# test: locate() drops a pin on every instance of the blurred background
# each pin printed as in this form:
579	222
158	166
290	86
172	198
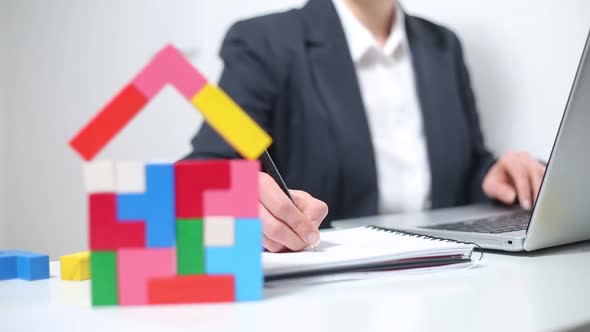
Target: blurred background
61	61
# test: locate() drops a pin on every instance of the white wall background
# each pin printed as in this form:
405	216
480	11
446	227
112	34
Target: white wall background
65	59
3	128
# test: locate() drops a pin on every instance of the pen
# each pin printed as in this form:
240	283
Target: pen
272	170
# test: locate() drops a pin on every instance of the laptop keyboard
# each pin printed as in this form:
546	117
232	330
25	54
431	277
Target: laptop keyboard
516	221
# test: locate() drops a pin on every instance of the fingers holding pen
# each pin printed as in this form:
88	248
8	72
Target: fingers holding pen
283	222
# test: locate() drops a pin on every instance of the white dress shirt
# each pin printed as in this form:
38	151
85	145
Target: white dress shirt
386	79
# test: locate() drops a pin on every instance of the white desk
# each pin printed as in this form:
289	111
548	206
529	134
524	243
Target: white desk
534	292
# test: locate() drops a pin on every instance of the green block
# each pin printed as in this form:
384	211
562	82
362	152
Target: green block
190	251
103	276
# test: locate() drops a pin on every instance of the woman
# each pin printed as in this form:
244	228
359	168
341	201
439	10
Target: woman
371	111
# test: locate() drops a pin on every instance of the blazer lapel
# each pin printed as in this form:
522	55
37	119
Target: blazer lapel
335	80
427	73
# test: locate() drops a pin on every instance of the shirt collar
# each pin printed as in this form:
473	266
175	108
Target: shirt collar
360	40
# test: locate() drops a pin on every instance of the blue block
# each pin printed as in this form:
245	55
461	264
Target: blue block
243	260
29	266
8	269
155	206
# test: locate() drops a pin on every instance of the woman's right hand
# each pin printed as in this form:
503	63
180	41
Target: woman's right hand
288	226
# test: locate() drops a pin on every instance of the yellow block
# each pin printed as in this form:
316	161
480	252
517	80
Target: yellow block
75	267
231	122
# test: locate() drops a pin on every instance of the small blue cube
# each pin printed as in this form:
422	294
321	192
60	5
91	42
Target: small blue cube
23	265
8	268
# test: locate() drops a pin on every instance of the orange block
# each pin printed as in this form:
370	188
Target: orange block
191	289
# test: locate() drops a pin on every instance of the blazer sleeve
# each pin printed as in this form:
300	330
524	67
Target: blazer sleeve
249	78
481	158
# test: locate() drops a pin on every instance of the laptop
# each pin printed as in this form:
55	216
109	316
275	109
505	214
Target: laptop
561	213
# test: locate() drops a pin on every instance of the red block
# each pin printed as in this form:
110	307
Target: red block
192	179
108	122
191	289
108	233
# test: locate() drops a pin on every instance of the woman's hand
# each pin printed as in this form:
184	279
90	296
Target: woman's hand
515	175
289	226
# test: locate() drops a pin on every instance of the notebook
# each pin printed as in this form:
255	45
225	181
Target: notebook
366	249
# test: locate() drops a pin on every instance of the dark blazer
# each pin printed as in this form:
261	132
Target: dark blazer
293	73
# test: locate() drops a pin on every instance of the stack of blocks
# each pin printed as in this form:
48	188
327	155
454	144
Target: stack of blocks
183	232
174	233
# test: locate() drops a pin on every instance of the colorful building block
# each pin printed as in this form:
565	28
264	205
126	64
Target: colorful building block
103	275
192	179
243	260
8	266
99	176
29	265
219	231
106	232
32	266
243	192
169	233
192	289
169	67
191	251
135	267
155	206
231	122
229	246
130	177
106	124
75	267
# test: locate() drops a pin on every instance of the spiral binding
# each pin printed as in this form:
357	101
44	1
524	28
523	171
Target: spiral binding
426	237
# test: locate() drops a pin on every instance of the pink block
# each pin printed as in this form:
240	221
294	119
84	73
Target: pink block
169	66
135	267
241	200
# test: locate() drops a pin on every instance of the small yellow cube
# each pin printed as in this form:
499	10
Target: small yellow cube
75	267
